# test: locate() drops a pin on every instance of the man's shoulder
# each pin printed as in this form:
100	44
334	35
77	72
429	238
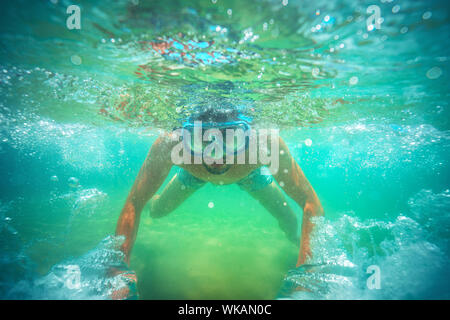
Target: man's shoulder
166	141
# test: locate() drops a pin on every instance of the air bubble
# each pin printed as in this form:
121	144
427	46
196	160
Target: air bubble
308	142
427	15
73	182
353	81
315	72
76	60
434	73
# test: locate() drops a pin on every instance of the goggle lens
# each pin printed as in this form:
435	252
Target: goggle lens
233	139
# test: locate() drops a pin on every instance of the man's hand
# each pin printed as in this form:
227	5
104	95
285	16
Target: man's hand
129	290
305	252
310	210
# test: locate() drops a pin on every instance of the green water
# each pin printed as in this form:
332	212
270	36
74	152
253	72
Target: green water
364	113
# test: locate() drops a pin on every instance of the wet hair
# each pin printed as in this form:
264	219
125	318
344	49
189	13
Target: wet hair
213	114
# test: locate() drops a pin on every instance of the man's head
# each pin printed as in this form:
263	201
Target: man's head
215	123
212	114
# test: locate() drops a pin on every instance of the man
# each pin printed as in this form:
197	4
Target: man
214	167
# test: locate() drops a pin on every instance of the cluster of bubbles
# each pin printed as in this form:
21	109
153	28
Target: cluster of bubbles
409	253
100	274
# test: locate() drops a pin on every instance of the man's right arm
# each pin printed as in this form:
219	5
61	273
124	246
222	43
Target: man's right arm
152	174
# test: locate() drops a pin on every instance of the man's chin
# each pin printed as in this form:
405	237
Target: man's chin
217	168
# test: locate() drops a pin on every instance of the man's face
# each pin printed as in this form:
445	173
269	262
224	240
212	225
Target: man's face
216	143
218	167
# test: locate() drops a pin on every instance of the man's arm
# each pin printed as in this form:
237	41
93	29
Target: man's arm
293	181
153	172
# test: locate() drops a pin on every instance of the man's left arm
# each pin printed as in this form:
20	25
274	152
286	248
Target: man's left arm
294	182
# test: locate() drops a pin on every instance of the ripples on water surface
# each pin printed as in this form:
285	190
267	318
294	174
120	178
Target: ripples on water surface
364	111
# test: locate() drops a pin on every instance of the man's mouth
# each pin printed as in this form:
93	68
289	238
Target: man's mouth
216	168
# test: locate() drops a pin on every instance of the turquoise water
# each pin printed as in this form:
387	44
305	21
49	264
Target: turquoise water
364	112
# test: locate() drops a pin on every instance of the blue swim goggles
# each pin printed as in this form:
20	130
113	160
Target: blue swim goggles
195	133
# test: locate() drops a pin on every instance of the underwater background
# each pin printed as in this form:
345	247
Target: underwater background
361	101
